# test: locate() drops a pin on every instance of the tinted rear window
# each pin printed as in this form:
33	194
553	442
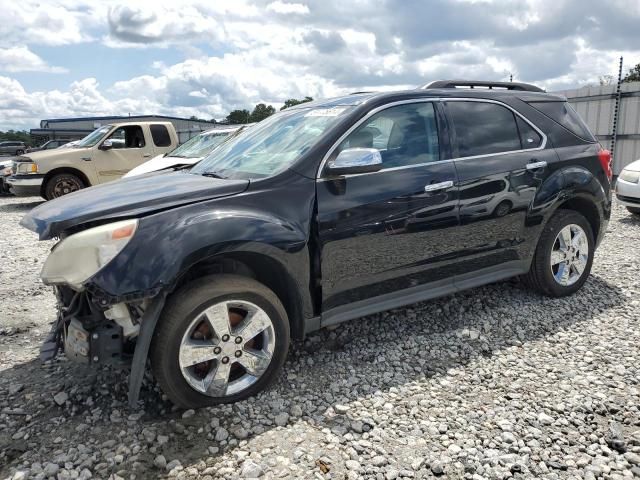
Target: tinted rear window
483	128
160	136
565	115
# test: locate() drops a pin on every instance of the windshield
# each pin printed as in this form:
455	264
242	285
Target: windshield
94	137
272	145
200	145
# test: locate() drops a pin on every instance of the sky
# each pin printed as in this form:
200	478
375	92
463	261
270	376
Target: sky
64	58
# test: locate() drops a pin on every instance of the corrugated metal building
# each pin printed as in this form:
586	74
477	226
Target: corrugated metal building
596	105
76	128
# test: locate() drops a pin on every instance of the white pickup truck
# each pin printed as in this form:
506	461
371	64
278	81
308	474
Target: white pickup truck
105	154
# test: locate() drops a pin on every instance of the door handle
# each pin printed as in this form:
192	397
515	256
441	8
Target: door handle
86	159
146	155
434	187
536	165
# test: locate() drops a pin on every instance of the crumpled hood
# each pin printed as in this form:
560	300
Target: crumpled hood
161	162
126	198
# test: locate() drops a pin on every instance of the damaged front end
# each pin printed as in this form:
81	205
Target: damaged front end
90	334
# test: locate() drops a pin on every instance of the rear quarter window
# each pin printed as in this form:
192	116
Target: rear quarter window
565	115
160	136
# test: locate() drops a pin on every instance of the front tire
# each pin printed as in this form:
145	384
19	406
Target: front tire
564	255
220	339
19	152
62	184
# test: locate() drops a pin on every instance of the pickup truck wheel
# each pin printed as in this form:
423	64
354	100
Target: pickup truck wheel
19	152
220	339
62	184
564	255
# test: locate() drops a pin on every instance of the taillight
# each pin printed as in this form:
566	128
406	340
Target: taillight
605	160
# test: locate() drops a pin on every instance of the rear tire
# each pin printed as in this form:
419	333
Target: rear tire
62	184
191	318
634	210
543	275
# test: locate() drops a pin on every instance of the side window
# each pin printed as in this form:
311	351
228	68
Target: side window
128	137
565	115
529	138
483	128
160	136
404	135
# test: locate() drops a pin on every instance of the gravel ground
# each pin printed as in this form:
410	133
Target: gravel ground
496	383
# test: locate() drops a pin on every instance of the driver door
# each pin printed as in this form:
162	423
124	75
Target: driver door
389	234
128	150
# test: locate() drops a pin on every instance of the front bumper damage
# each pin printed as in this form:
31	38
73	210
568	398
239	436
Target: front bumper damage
90	334
118	334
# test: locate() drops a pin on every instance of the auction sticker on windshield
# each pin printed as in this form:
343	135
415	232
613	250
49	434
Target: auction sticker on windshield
325	112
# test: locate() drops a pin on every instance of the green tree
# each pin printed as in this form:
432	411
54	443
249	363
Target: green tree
633	75
294	101
238	117
16	136
261	111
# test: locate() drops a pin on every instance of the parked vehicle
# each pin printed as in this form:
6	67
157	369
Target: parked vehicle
5	172
50	145
104	155
12	148
189	153
300	223
628	187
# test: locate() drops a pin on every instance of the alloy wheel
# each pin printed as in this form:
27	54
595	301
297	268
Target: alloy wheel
226	348
570	255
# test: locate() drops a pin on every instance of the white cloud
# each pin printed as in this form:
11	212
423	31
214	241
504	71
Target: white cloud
288	8
235	53
54	24
21	59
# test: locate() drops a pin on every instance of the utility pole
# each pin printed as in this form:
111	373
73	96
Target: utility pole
616	115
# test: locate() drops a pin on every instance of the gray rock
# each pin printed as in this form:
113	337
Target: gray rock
60	398
221	434
340	409
160	462
188	413
545	419
251	470
281	419
172	464
632	458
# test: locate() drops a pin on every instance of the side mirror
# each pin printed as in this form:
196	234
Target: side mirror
106	145
355	160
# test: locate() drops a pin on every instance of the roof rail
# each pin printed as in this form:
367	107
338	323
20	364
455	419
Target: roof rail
522	87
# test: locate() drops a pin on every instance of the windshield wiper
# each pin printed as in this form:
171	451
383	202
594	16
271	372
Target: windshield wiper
213	175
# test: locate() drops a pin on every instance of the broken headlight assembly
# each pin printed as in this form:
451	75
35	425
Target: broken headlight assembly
81	255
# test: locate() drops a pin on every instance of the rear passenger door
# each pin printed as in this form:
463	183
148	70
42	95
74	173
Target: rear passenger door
501	161
385	232
161	138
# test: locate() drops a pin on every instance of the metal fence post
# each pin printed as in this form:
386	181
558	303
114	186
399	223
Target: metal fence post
616	114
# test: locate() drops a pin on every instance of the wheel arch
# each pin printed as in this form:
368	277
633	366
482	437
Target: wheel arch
58	170
262	268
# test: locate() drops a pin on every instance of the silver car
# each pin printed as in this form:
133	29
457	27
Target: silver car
628	187
12	148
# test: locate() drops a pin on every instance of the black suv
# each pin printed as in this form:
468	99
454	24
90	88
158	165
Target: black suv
322	213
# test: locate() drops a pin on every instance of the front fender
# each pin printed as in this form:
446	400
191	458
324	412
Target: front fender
170	242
